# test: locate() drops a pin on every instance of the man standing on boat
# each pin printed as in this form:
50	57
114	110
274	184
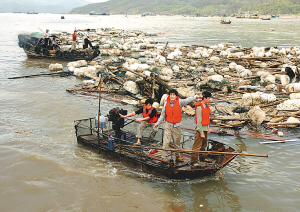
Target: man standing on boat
74	40
202	116
46	38
86	38
149	119
173	113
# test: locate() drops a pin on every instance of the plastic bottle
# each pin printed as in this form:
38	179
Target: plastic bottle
101	122
111	143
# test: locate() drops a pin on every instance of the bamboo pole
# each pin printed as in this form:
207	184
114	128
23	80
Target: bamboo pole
165	48
215	152
99	101
35	75
194	151
284	124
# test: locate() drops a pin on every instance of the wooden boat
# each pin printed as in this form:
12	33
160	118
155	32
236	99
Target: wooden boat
94	13
114	141
253	17
225	22
31	46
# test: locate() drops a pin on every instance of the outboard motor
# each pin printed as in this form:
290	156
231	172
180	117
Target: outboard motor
117	121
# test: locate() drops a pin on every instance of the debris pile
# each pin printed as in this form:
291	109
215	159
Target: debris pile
250	86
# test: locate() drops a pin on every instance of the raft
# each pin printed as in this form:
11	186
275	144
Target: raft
115	142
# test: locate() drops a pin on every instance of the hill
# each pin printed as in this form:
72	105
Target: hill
192	7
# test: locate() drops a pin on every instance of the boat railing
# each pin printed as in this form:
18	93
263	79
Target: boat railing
88	127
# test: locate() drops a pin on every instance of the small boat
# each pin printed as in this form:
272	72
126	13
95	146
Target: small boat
266	19
225	22
94	13
113	140
253	17
31	46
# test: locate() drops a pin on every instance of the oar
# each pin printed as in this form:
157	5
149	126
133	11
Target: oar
194	151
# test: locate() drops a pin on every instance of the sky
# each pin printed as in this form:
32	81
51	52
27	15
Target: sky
96	1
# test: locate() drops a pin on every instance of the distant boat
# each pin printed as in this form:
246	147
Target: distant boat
253	17
94	13
266	19
225	22
249	15
32	13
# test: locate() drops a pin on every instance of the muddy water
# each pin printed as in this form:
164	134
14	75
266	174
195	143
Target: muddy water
43	169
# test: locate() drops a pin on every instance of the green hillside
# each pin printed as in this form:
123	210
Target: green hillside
192	7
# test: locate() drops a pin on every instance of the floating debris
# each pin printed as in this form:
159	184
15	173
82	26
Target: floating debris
134	65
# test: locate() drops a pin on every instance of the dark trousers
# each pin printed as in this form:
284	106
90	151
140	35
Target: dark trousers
87	43
46	41
199	145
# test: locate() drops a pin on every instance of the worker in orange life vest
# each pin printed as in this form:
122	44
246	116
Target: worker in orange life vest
149	119
202	116
172	112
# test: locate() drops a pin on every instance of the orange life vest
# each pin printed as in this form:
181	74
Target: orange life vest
147	113
205	113
173	114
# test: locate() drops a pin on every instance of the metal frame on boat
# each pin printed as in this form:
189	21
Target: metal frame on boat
114	141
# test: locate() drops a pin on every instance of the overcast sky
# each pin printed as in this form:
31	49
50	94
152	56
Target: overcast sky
96	1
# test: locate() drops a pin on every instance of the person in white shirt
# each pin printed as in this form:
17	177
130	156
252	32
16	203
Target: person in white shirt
46	38
86	38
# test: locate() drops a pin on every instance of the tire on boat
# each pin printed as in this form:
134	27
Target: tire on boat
74	53
46	52
81	54
21	44
37	49
66	54
27	46
96	53
58	54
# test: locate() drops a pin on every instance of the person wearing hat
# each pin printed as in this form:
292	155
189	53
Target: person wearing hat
86	38
149	119
172	112
74	40
46	38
